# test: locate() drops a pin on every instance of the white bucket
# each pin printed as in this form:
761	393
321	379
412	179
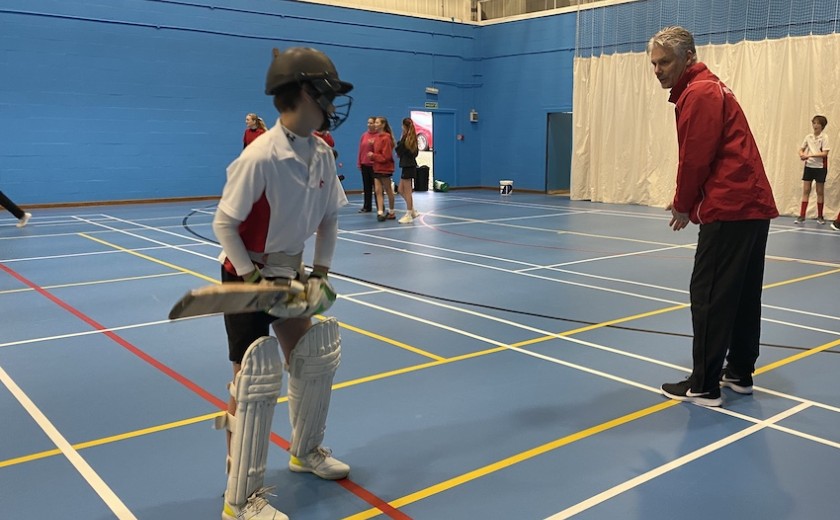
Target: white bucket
505	187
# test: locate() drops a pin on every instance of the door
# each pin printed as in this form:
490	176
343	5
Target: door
558	168
444	147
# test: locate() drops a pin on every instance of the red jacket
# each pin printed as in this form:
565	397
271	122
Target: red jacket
383	153
720	175
250	135
365	146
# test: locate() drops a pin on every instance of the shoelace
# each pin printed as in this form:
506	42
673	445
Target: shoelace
324	452
257	500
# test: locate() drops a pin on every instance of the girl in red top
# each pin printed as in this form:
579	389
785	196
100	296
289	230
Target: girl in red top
383	167
255	127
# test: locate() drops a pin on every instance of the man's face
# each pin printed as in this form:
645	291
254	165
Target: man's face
818	128
667	66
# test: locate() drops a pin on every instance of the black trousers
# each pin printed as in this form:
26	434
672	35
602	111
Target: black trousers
7	203
367	185
726	299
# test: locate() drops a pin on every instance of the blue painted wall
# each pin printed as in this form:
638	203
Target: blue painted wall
144	99
526	69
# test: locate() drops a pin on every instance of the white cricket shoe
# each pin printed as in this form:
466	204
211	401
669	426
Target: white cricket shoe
406	219
320	462
415	213
256	508
24	219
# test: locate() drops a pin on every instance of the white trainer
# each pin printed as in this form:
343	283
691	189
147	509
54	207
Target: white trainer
256	508
24	219
320	462
415	213
406	219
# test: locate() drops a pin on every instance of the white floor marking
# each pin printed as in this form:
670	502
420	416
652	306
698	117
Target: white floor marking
91	477
674	464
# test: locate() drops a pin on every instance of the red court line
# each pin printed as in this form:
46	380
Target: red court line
347	484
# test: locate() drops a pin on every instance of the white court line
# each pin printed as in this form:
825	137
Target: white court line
91	477
91	332
553	267
460	261
674	464
797	311
775	228
165	245
95	282
162	230
584	368
804	327
94	253
442	258
577	273
559	336
770	423
530	275
170	246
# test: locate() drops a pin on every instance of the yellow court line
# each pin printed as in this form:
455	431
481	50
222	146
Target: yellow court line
192	420
669	309
152	259
801	279
432	490
797	357
514	459
539	450
393	342
114	438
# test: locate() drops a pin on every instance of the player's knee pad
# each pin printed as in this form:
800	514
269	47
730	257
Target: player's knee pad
255	388
312	367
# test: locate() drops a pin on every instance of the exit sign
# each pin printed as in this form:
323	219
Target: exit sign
430	104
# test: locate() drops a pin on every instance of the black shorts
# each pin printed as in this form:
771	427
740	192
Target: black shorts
814	174
244	329
409	173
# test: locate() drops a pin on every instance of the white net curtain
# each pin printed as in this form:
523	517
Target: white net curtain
625	148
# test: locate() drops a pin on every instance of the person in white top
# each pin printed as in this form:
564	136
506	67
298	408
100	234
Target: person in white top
281	190
814	152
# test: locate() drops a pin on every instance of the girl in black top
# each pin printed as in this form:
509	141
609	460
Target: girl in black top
407	152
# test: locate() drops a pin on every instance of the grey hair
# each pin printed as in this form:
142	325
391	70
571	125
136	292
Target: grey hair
675	38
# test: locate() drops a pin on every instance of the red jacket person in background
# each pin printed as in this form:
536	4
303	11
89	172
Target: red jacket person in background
722	186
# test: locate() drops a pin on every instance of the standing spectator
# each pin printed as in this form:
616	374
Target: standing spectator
814	151
254	127
407	151
383	168
721	185
365	163
22	216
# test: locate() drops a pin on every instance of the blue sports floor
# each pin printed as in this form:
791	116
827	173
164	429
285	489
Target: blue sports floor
501	360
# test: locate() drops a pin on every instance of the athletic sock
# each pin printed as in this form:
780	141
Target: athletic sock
802	209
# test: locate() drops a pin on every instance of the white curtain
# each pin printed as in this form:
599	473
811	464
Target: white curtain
625	144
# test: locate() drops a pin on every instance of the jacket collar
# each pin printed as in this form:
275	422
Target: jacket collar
688	75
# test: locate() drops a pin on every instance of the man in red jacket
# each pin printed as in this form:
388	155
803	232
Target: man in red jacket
721	185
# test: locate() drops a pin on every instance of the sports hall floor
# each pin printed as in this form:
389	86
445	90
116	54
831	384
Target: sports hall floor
501	360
